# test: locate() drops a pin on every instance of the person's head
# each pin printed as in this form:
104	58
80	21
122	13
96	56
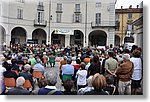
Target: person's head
126	51
95	58
45	59
38	60
111	54
136	53
20	81
51	77
82	65
89	81
27	67
68	84
69	61
65	57
109	79
42	83
7	66
19	57
126	57
98	81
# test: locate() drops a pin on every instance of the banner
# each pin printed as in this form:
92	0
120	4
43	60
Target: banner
64	31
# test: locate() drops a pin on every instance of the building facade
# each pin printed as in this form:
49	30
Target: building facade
62	22
124	19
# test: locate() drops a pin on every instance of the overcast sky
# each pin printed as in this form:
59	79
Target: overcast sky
127	3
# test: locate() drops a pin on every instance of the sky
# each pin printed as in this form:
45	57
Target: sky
127	3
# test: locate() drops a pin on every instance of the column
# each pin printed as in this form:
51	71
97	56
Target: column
111	37
67	40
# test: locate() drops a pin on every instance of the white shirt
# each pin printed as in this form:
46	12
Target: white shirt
1	78
137	71
81	77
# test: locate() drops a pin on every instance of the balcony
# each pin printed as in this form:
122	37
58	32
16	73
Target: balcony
77	11
95	24
41	23
40	8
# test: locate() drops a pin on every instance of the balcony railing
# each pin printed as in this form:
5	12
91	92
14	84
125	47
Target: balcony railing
42	23
103	24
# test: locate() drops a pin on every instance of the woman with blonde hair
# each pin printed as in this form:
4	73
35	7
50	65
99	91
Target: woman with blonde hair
99	83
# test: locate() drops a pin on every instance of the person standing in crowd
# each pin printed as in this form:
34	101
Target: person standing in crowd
89	87
111	64
50	88
99	83
38	66
32	60
67	69
18	90
2	70
63	62
52	60
45	60
95	66
137	71
81	76
124	73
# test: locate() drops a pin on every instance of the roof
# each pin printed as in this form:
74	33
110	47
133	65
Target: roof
129	10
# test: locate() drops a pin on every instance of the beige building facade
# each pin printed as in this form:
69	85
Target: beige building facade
62	22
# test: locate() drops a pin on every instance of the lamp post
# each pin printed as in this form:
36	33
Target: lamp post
49	18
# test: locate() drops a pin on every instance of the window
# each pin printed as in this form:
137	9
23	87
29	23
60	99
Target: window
40	17
59	7
77	7
21	1
98	4
98	18
129	15
58	18
117	17
20	13
77	18
130	27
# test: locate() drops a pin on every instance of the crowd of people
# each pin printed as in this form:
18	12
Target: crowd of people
82	71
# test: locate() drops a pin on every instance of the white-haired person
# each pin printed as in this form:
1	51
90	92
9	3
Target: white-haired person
27	75
89	87
124	73
50	88
18	90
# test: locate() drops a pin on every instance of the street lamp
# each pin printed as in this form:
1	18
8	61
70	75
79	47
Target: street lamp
50	18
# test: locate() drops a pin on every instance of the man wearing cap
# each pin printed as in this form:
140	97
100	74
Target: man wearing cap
124	72
26	74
